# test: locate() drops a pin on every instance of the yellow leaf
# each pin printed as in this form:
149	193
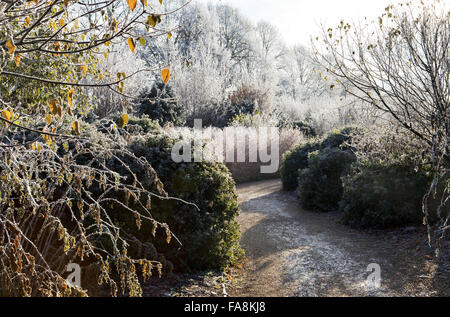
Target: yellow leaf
47	138
18	58
27	21
53	106
61	22
153	19
142	41
123	120
70	97
160	2
76	127
6	115
11	47
169	35
83	69
48	118
132	4
59	111
53	24
165	74
66	3
131	44
144	3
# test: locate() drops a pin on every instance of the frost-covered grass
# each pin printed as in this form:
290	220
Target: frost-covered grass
247	150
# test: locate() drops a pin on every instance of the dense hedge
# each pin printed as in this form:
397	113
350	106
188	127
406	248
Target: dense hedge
379	196
209	236
377	181
386	186
320	185
297	158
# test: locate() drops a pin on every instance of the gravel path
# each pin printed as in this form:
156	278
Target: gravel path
293	252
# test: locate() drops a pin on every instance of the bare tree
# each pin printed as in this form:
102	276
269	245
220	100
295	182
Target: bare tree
272	45
400	65
235	35
299	67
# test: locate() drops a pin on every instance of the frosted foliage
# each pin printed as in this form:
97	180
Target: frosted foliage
213	52
204	81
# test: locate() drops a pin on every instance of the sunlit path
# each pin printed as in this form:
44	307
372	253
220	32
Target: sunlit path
293	252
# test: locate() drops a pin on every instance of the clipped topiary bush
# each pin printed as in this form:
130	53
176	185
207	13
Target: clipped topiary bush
320	185
208	235
381	195
297	158
386	186
294	160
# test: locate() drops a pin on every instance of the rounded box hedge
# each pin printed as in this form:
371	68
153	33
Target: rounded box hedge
208	231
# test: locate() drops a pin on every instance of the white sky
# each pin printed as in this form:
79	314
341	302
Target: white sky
297	20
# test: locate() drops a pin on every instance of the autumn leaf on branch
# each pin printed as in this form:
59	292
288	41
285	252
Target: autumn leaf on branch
70	97
11	47
131	45
132	4
76	127
165	74
123	121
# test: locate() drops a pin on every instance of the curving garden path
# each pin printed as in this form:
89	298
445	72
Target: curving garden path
294	252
